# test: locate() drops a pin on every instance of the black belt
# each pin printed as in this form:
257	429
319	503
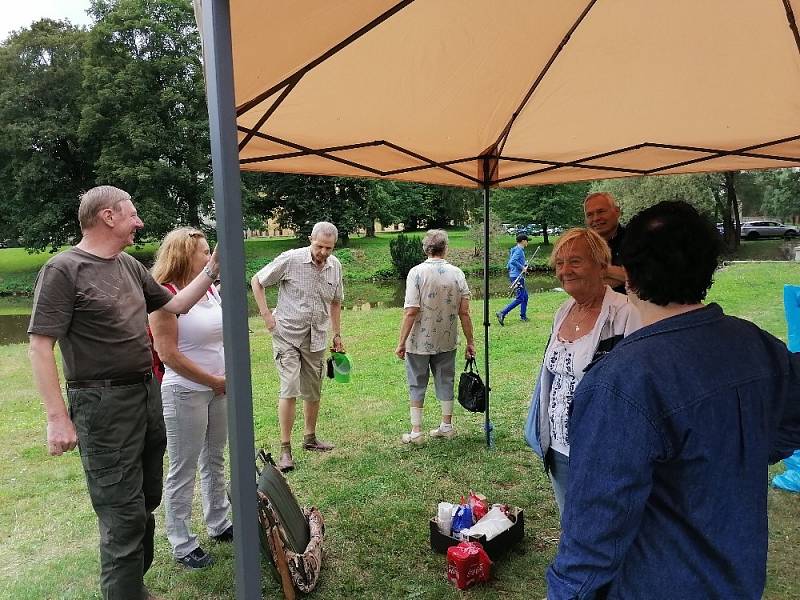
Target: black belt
78	384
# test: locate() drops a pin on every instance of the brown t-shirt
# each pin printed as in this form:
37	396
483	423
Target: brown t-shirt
97	310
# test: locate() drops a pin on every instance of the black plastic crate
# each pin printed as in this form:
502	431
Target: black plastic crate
495	548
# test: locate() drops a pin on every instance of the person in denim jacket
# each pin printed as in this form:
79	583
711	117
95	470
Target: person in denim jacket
673	434
586	325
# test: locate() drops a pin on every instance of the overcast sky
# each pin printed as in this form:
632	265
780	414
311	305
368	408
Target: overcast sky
16	14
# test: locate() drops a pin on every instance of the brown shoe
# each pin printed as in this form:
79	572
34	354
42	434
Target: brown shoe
316	445
285	464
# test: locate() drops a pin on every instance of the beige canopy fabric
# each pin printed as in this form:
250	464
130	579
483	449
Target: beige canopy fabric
555	91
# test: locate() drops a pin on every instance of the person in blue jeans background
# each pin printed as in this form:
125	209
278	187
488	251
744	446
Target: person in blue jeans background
517	267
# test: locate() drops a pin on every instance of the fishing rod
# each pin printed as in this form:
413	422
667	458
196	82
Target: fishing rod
515	283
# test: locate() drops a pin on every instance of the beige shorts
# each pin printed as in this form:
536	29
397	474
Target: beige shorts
300	370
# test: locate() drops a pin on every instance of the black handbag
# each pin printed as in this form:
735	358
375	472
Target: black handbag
471	391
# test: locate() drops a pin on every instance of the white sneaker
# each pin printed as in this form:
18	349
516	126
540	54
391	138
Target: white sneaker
413	438
439	432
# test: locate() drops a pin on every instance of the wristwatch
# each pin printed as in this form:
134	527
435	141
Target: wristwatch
210	273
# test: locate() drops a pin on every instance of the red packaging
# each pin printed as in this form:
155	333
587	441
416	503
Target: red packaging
479	506
468	564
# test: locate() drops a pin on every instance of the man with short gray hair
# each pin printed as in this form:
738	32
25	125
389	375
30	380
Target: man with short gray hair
437	296
93	299
602	213
310	296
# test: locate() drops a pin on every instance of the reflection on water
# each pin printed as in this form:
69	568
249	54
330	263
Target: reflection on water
13	329
361	296
367	296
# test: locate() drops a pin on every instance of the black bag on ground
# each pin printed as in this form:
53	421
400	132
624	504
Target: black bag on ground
471	391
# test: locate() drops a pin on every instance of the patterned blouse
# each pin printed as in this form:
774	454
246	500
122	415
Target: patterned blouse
560	361
435	287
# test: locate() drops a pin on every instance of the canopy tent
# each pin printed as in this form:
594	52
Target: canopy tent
483	94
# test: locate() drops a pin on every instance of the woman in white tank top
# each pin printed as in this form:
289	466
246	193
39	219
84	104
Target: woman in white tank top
194	401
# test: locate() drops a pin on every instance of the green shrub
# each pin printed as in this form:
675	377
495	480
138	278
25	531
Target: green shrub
406	253
345	255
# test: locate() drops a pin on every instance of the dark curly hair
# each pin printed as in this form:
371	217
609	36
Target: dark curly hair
670	253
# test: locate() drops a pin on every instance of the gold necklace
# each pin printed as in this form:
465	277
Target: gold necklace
585	312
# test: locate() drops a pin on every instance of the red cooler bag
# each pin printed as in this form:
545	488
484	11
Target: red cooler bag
468	564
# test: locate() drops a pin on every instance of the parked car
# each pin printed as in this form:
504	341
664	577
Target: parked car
762	229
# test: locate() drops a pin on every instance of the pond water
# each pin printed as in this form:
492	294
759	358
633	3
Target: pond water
359	296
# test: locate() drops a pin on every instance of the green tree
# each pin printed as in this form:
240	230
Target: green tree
406	253
299	201
145	112
780	193
43	165
634	194
476	231
548	205
712	194
451	206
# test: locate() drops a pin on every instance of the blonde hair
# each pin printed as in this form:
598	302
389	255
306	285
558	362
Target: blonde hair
598	248
607	195
174	257
97	199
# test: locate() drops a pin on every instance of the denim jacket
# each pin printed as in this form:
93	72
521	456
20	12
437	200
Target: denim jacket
673	432
617	318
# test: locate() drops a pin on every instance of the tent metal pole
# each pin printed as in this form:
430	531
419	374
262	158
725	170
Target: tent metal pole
218	62
487	426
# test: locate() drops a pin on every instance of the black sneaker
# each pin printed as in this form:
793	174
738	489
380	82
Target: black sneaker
196	559
225	536
500	317
524	319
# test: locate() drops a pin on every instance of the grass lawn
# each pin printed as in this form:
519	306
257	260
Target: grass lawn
375	494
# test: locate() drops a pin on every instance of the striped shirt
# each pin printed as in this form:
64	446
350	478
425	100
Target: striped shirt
305	294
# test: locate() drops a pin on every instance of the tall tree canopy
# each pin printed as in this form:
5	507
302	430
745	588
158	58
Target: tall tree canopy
145	113
547	205
713	194
780	193
43	164
299	201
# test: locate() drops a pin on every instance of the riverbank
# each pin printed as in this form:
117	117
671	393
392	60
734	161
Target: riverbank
376	495
364	260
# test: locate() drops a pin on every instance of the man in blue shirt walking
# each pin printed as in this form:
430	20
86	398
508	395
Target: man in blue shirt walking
517	267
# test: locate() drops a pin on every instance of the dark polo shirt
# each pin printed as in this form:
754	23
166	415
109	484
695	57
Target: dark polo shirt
615	244
97	310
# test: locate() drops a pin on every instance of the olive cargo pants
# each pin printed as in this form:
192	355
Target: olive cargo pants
122	439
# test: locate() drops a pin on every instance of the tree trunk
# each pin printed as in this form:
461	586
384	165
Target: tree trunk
733	209
546	239
370	228
725	215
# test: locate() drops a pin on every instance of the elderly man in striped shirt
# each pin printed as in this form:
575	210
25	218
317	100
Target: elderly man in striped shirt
310	295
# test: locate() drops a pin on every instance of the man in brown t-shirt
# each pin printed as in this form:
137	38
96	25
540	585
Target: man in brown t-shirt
94	299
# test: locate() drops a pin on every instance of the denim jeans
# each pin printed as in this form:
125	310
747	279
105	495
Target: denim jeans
197	431
520	299
121	441
558	470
